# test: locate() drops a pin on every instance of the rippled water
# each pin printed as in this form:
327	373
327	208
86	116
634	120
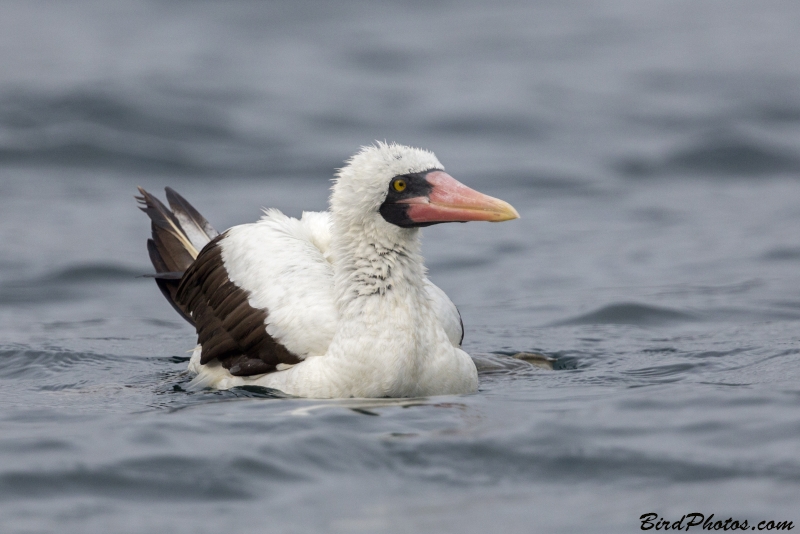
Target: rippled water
652	148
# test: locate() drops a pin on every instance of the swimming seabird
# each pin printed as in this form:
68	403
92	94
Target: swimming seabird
335	304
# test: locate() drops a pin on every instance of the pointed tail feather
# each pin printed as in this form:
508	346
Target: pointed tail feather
175	246
178	236
194	225
168	287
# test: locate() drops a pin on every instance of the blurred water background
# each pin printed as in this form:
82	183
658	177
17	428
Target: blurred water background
651	146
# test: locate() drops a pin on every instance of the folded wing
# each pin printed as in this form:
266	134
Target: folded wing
259	295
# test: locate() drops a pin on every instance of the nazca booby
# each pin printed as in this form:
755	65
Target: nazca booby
335	304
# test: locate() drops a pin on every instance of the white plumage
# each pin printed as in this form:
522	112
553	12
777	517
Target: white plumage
346	291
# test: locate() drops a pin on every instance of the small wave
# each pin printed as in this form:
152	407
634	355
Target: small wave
72	325
36	445
536	460
101	272
61	284
490	126
630	314
673	370
458	264
516	364
553	183
779	113
150	131
382	60
736	157
782	254
23	363
736	288
85	153
164	478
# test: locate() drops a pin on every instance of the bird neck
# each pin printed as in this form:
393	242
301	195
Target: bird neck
374	266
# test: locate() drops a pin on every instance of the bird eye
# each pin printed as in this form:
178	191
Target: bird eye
399	185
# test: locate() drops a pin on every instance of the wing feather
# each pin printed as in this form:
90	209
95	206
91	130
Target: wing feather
447	313
229	329
279	262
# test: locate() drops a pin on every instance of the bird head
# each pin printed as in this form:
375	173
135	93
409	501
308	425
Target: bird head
408	188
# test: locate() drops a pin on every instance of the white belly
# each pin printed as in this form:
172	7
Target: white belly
447	371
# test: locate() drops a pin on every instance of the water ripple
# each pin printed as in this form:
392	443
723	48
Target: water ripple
169	478
630	314
64	284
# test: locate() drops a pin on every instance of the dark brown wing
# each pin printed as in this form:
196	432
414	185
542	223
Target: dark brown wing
228	328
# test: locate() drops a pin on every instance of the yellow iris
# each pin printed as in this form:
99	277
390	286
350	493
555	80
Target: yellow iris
399	185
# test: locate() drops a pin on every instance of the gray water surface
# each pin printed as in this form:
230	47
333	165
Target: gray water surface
651	147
